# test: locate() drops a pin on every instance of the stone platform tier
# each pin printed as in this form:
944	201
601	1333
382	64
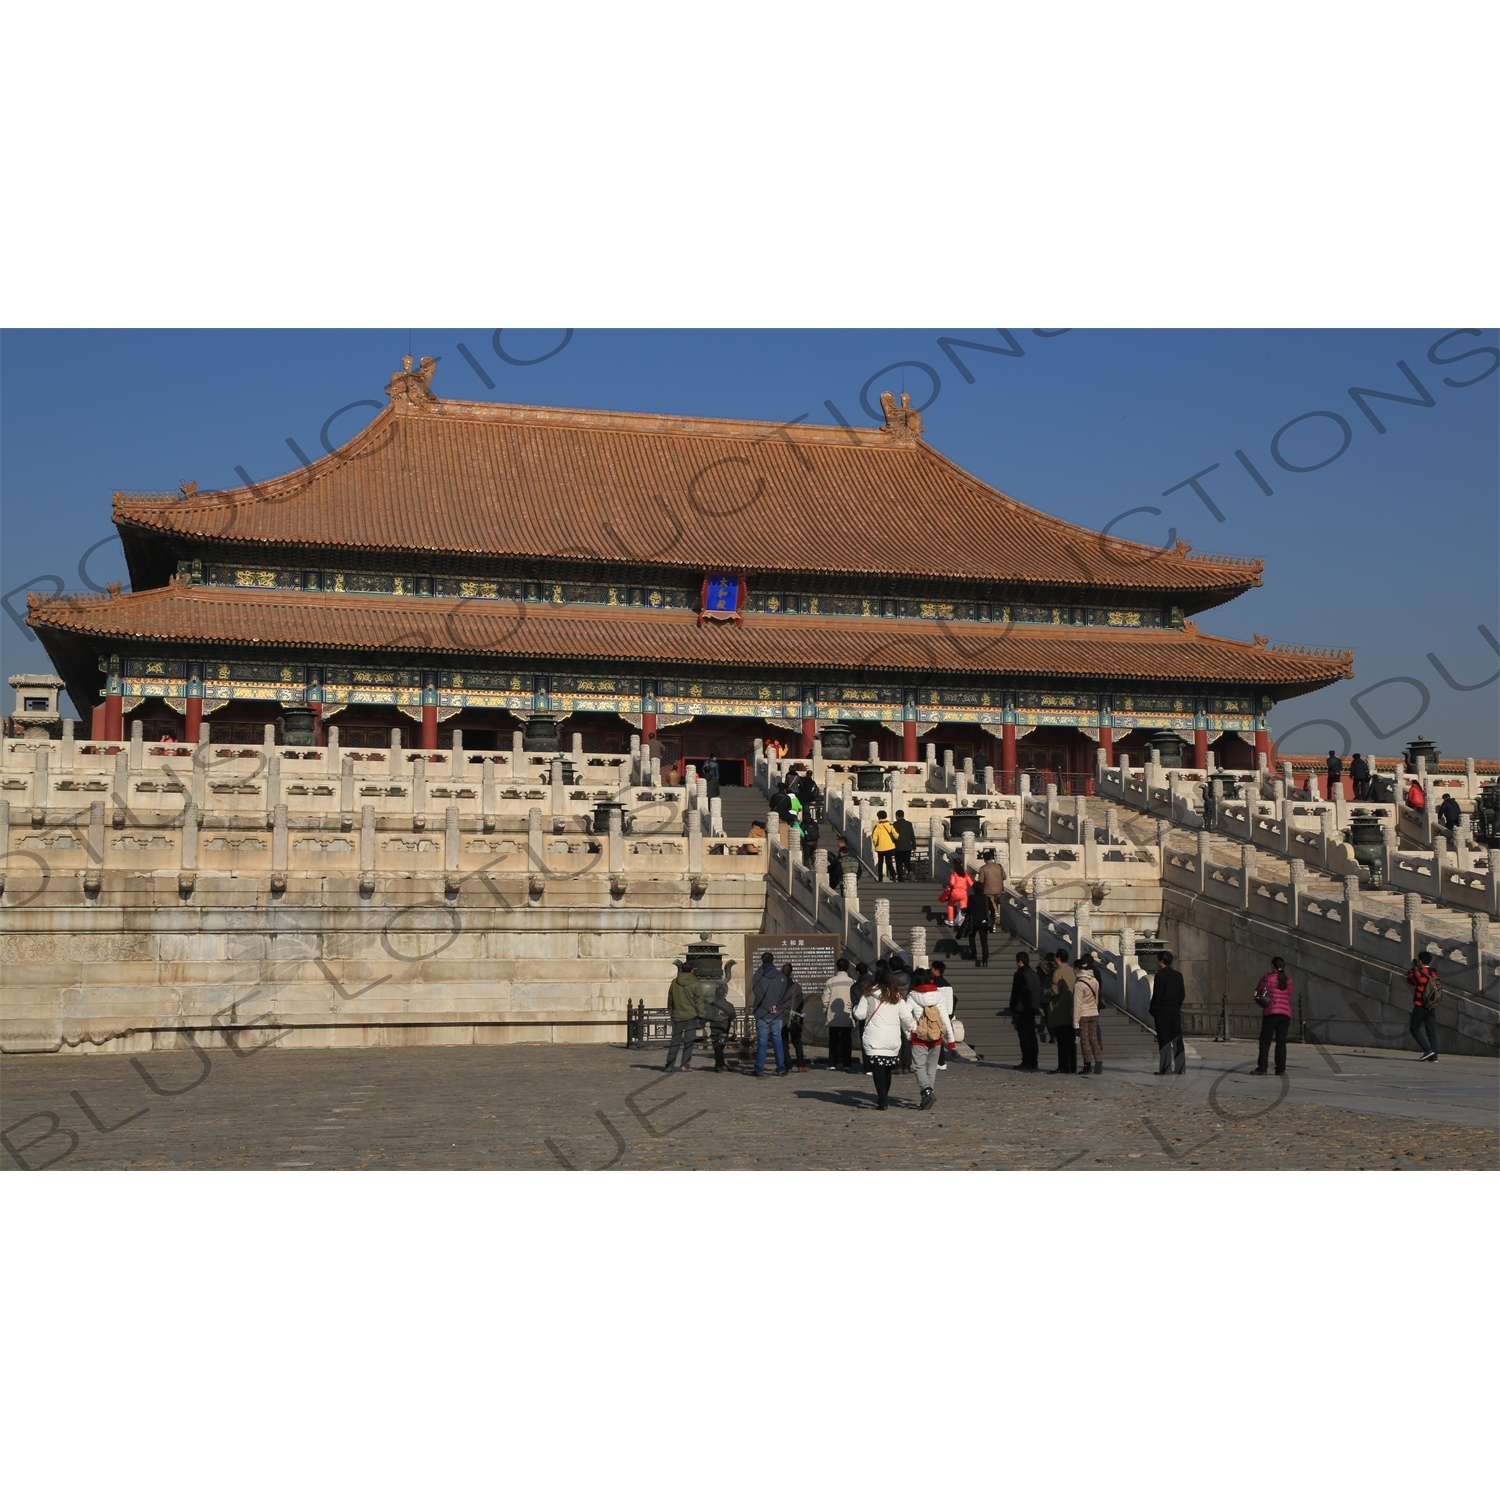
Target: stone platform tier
1275	878
155	895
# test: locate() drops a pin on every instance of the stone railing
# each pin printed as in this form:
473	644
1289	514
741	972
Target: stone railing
866	938
135	779
1122	981
81	820
1342	920
1463	875
854	814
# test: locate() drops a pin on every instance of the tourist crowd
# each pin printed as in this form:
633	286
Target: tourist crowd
903	1019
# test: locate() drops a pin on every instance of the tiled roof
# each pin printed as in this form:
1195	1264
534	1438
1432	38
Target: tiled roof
439	628
476	479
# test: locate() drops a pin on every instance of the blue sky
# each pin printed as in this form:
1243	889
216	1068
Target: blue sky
1390	547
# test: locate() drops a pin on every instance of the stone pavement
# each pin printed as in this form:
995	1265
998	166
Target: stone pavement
591	1107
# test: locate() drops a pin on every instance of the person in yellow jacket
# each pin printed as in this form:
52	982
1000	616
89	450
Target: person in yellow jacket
883	842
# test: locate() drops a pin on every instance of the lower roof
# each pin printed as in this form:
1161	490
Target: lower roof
187	616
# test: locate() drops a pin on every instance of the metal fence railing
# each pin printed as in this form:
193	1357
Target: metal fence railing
647	1026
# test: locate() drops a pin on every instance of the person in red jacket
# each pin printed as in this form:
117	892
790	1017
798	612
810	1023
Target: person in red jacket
1274	995
956	893
1426	986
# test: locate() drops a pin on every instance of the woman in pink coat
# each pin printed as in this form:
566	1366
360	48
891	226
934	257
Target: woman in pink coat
1274	995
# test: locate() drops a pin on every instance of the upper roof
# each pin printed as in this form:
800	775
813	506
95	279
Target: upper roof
187	614
480	479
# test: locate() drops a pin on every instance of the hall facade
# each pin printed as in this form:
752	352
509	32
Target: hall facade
700	582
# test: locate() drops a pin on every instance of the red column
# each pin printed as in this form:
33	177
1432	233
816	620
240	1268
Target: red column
317	713
1107	743
648	727
194	720
96	722
809	734
1200	749
1008	757
429	726
1264	747
909	740
114	717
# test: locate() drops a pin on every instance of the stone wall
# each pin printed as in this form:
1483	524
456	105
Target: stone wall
322	899
1342	997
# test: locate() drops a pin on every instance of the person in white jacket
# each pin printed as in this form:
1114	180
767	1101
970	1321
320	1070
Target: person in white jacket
888	1016
931	1033
1086	1015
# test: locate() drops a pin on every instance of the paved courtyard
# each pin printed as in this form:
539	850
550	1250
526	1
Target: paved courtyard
592	1107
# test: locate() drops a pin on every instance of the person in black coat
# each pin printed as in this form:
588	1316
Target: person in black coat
906	845
1167	994
1025	1007
836	863
1335	772
1449	813
1359	776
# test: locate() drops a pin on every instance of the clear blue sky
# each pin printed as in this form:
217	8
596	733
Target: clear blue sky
1390	548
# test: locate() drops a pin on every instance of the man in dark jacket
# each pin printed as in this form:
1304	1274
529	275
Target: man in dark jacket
685	1003
770	992
1167	994
906	845
808	791
1449	813
1025	1006
836	860
721	1014
1359	778
1335	772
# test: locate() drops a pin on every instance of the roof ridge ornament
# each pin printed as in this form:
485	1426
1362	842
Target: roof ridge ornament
413	387
903	421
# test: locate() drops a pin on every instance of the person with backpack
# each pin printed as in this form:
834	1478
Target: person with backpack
721	1018
781	805
888	1017
808	829
685	1005
1025	1004
1427	990
932	1032
883	842
1086	1014
989	884
769	990
809	790
1274	996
